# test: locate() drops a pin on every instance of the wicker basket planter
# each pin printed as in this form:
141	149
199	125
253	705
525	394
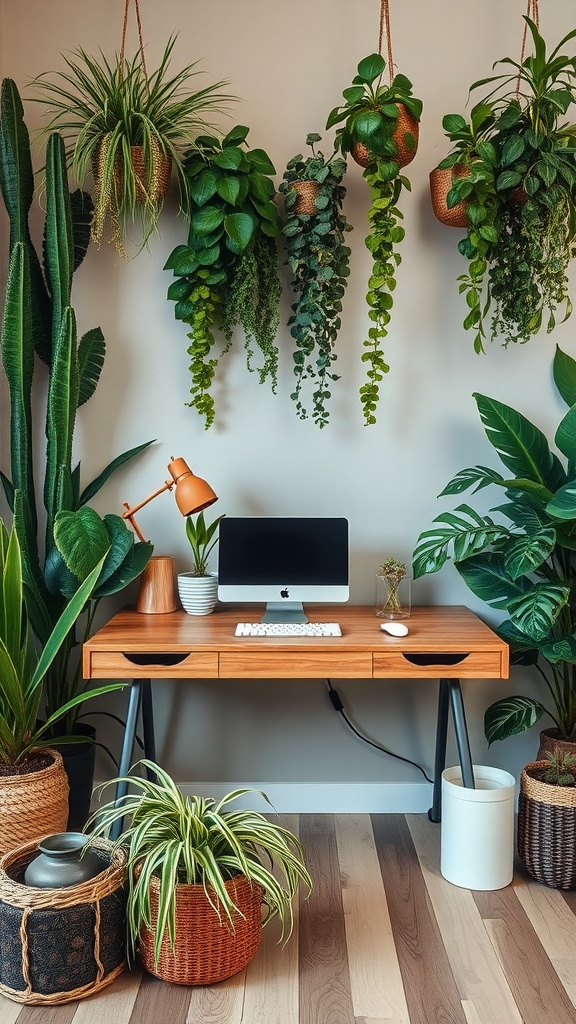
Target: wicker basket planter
547	828
306	195
206	950
406	125
440	184
33	805
58	945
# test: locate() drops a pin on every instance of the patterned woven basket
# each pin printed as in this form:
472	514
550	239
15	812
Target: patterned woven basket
440	184
406	124
547	829
159	178
33	805
58	945
206	950
306	195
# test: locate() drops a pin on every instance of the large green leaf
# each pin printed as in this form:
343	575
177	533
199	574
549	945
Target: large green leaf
131	567
63	389
58	236
82	540
203	187
564	372
522	447
18	361
91	353
565	437
207	219
459	534
240	228
536	611
82	209
563	504
528	551
366	124
370	67
510	716
93	488
563	649
480	476
487	577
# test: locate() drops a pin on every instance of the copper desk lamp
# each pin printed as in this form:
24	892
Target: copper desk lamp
156	594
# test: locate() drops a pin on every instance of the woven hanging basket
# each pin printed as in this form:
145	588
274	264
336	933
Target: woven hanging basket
60	945
206	950
441	179
156	184
306	195
33	805
547	829
406	124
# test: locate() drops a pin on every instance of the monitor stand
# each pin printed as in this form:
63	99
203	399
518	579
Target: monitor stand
284	611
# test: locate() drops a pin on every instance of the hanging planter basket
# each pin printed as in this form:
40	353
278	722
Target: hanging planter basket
547	828
152	183
407	126
35	804
306	196
62	944
441	179
208	948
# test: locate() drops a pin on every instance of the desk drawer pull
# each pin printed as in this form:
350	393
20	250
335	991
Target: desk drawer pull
153	658
435	659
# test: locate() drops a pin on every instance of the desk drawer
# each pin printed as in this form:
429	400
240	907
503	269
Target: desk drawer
289	665
474	665
139	665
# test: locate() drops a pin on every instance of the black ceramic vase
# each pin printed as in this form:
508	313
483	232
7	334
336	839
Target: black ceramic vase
63	861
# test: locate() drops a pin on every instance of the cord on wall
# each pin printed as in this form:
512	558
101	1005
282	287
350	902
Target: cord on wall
339	707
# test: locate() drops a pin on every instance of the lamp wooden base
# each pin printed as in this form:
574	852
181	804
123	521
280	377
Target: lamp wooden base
157	595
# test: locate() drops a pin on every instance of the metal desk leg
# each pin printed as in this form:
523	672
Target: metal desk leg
148	726
127	747
461	733
435	811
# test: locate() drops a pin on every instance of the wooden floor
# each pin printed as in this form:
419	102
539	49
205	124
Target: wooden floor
384	939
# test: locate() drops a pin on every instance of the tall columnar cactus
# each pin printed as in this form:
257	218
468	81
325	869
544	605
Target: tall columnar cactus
38	316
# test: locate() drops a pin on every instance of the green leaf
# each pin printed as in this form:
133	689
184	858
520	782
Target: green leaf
564	372
235	136
370	67
101	479
366	123
535	612
508	179
91	353
82	540
528	551
510	716
522	447
565	437
240	228
563	504
459	534
488	578
207	219
454	123
260	162
229	159
203	187
229	189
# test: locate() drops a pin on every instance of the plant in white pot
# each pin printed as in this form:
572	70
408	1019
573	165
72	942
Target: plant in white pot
198	588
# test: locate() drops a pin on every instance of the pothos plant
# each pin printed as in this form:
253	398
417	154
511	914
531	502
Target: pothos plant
373	117
318	259
527	200
227	273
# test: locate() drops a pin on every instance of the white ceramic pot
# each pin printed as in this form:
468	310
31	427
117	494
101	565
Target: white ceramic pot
198	594
477	831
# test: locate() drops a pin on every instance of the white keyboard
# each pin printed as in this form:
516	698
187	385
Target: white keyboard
288	629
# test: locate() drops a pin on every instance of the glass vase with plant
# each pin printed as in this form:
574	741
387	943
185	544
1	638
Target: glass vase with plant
376	132
318	259
227	274
129	128
393	598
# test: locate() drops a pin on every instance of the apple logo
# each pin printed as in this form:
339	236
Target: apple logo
284	593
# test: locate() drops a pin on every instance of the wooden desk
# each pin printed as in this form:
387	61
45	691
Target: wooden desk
445	644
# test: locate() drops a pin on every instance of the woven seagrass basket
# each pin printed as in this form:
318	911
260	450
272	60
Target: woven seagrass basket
58	945
33	805
206	950
306	195
440	184
159	182
406	124
547	829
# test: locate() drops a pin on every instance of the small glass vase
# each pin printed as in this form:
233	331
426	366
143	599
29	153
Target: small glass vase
393	597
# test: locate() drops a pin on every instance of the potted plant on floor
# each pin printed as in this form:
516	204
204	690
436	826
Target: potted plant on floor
524	566
314	233
380	130
129	128
227	273
33	783
199	874
521	226
61	537
198	588
547	819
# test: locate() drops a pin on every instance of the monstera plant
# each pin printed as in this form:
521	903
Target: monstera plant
38	316
521	558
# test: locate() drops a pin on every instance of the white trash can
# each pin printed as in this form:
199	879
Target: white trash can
477	830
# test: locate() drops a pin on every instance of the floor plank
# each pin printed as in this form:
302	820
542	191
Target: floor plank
429	985
215	1004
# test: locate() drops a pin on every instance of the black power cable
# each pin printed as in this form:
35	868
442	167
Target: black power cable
338	706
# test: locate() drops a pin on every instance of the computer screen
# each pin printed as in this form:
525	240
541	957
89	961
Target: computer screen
283	562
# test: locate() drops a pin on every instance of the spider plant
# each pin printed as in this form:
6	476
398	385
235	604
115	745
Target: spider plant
103	109
196	841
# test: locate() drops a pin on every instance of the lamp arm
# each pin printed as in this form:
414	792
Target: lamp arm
130	512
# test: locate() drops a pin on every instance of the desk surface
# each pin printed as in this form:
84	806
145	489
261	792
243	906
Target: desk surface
442	641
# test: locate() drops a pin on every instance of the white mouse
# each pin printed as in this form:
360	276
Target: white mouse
394	628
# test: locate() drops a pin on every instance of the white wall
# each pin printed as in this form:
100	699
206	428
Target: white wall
289	60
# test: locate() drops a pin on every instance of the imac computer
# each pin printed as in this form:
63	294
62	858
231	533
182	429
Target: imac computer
283	562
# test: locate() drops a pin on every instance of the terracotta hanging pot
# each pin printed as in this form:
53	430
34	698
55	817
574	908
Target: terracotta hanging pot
441	179
406	124
158	184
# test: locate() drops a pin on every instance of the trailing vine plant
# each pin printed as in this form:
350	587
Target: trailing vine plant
318	259
380	129
227	273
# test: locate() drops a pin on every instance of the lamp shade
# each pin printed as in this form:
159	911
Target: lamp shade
192	492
